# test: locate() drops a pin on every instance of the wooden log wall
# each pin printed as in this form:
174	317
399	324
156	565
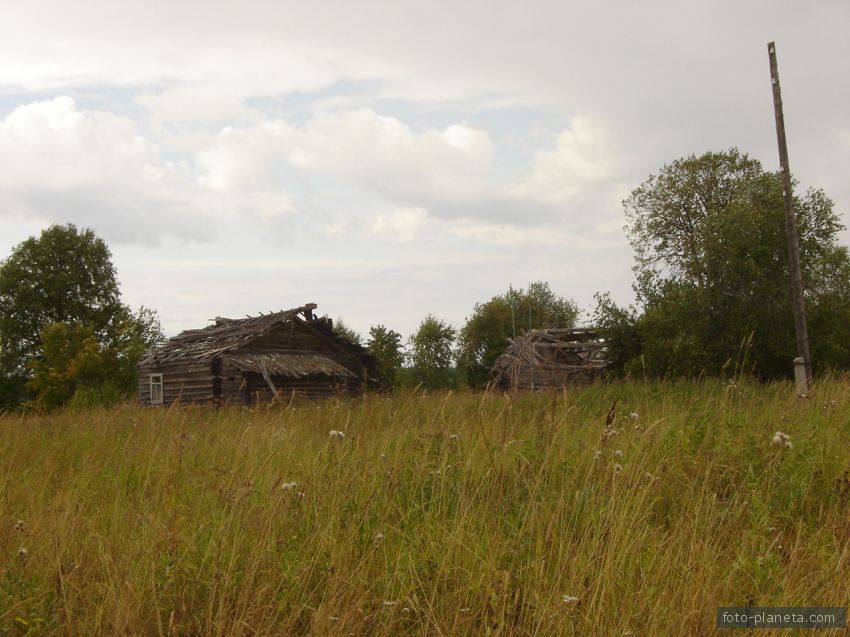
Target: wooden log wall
316	386
527	377
189	383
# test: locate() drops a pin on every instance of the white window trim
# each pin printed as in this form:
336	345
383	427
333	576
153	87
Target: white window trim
156	381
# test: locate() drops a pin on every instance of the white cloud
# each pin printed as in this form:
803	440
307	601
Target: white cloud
196	104
245	159
584	155
62	165
402	224
506	235
381	155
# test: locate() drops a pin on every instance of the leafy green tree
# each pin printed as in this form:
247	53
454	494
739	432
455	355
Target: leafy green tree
485	335
352	335
431	353
64	276
618	327
387	347
74	367
712	268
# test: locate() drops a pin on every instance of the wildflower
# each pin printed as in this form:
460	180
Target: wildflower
339	435
333	618
452	436
288	486
617	469
465	610
609	432
389	602
405	610
20	526
634	415
597	454
569	599
649	477
22	553
378	537
780	439
618	454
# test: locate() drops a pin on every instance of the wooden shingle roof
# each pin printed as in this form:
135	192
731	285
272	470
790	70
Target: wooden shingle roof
228	335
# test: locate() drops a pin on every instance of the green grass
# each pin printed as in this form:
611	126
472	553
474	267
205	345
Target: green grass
441	514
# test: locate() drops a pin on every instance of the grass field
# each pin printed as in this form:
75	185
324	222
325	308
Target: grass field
440	514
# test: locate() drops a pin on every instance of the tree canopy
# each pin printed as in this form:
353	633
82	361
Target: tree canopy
485	335
386	345
712	273
431	353
64	277
352	335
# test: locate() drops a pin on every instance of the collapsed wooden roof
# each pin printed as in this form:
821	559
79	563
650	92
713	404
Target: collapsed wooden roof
227	337
292	365
555	355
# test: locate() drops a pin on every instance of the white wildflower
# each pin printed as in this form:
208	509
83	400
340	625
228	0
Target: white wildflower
618	454
634	415
617	469
405	610
288	486
452	436
389	602
333	618
339	435
22	553
780	439
465	610
569	599
597	454
20	526
379	537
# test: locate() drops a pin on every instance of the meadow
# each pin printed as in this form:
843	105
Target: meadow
430	514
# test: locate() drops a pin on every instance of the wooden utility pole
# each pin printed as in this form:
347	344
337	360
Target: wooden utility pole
790	224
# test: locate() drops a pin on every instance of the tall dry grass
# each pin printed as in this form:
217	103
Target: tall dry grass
445	514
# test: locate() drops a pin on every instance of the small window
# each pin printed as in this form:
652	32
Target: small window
156	389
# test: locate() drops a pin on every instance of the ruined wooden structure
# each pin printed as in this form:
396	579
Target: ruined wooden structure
551	359
255	359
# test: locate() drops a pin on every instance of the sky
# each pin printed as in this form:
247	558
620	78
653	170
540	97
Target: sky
387	160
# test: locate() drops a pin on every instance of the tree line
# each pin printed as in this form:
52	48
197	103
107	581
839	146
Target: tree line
711	285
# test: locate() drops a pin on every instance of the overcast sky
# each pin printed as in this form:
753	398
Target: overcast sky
391	159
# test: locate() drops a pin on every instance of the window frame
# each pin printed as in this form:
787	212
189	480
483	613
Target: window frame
155	380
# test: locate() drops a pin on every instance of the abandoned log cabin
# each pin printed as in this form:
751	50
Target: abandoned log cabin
551	359
254	359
